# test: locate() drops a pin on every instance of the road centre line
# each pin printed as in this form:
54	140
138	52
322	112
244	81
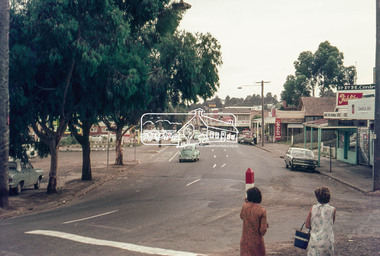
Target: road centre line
120	245
102	214
173	156
192	182
223	165
214	166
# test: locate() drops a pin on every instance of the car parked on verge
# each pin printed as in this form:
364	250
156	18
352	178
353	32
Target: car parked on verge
189	153
23	175
300	158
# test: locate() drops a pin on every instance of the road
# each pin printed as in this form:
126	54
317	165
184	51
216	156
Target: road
164	207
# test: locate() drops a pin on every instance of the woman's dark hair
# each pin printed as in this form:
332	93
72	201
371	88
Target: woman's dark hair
254	195
323	195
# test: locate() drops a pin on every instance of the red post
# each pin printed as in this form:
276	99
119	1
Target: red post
249	176
249	179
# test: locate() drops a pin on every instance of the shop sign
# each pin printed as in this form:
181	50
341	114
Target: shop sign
335	115
356	87
343	98
277	129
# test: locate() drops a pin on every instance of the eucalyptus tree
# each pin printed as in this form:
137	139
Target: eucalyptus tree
166	66
104	33
323	69
51	43
295	87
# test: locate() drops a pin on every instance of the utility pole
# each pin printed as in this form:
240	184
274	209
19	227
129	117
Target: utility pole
262	111
376	154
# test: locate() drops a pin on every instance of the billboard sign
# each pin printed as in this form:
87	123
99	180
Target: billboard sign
361	109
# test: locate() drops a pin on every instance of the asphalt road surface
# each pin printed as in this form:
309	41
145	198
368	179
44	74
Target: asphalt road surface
164	207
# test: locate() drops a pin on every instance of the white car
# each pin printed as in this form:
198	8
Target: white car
203	139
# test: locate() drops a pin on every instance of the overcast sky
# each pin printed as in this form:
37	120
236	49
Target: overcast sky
261	39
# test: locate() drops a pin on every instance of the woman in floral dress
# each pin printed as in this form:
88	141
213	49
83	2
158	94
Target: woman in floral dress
255	225
320	220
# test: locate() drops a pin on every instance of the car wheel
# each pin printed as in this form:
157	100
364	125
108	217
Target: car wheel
37	185
291	167
286	165
17	190
180	160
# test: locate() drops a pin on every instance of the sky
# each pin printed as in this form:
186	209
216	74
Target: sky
261	39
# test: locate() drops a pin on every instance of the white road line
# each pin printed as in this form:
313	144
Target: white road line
173	156
223	165
192	182
106	213
120	245
212	150
214	156
226	155
214	166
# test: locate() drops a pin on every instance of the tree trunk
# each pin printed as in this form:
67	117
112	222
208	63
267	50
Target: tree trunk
52	186
86	151
4	102
119	148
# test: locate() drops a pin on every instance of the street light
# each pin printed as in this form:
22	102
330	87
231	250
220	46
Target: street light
262	107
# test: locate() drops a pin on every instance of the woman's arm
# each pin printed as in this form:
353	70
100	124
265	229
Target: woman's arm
264	224
334	215
308	219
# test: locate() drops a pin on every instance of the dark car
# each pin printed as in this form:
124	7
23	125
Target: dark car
300	158
248	139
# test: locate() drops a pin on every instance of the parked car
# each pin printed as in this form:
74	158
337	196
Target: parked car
23	175
196	134
189	153
203	139
247	139
300	158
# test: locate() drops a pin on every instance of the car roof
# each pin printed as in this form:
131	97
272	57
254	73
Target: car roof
189	146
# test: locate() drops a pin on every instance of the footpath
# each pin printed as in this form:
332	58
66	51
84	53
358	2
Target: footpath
358	177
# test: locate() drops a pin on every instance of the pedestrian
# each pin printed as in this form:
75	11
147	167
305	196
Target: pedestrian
255	225
320	221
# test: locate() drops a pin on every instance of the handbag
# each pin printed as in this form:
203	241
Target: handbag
301	239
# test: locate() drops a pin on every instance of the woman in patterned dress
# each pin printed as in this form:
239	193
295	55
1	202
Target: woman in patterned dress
255	225
320	221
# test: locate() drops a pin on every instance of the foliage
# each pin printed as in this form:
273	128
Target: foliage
295	87
323	69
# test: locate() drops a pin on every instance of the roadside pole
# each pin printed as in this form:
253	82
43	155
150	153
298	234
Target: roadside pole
249	180
376	154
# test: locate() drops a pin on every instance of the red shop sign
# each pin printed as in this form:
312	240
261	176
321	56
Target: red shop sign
344	97
277	129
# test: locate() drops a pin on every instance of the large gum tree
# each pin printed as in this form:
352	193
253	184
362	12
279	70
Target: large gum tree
51	43
167	67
